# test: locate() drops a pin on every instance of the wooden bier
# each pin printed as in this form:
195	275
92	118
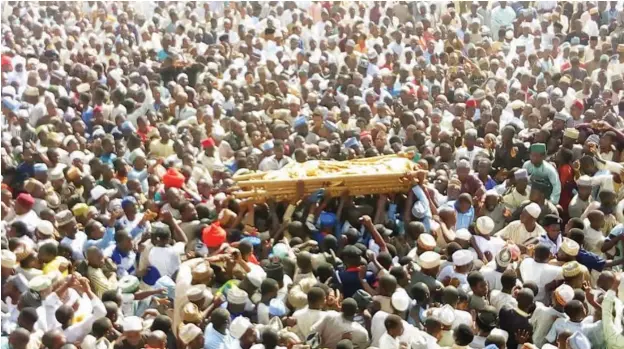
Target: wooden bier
254	186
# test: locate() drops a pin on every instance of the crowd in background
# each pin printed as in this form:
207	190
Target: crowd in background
124	125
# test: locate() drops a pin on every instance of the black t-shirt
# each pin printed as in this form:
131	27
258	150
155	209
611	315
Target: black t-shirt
511	320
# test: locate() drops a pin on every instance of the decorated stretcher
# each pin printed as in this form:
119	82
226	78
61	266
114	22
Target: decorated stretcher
377	175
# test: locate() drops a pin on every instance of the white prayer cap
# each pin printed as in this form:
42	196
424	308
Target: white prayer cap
8	91
463	234
400	301
39	283
77	155
502	333
426	242
521	174
188	332
8	259
256	276
485	225
564	294
236	296
533	209
45	228
446	315
462	257
517	104
584	181
195	293
98	192
238	326
83	88
557	92
56	174
429	260
570	247
509	35
68	139
115	74
132	323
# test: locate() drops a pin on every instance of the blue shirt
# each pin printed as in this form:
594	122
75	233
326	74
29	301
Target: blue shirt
141	177
108	159
125	262
490	183
215	340
350	280
552	245
464	219
104	242
422	200
590	260
162	55
87	116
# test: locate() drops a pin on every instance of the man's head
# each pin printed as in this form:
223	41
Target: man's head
220	319
478	284
552	224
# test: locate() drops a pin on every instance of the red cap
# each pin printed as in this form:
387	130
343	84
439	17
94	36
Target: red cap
578	103
6	60
364	134
97	109
208	142
173	178
471	103
213	235
25	199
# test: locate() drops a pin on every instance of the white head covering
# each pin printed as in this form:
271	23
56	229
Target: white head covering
463	234
45	228
565	293
400	301
39	283
584	181
485	225
256	276
446	315
238	326
570	247
429	260
462	257
132	323
533	209
236	296
9	260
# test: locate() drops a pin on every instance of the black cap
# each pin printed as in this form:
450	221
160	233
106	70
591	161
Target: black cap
542	184
551	219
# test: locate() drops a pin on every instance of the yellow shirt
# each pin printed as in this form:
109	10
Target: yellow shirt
160	150
55	265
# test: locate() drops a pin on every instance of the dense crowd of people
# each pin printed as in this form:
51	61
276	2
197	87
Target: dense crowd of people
125	124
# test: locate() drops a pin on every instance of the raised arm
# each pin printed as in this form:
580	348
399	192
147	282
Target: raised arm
368	224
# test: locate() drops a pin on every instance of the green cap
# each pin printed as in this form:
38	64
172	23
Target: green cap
538	148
